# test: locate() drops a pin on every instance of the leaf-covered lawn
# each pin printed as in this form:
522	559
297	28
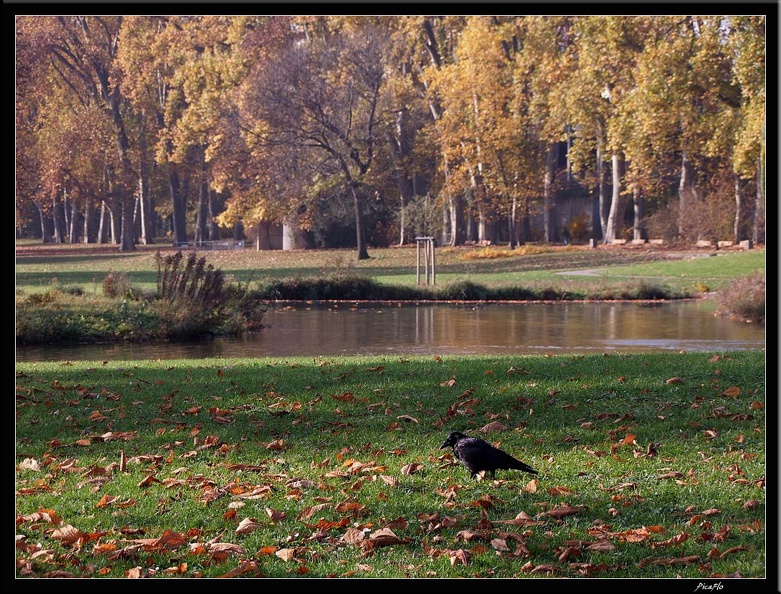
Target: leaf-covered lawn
650	466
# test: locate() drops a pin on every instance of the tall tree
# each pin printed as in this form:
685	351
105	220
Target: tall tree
324	103
544	67
607	50
82	50
747	43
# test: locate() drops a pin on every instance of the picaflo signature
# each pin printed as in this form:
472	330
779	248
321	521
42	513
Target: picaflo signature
714	586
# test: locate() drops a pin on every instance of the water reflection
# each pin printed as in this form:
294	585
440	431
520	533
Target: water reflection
523	328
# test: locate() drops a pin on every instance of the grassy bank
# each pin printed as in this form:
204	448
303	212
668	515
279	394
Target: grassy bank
83	294
567	269
651	466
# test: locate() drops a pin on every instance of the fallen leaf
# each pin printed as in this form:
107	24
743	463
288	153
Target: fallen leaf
531	486
353	535
493	426
562	511
30	464
499	544
248	525
560	491
411	468
67	534
460	557
276	516
732	392
286	554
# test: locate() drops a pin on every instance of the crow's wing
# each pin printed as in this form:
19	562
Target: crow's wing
478	455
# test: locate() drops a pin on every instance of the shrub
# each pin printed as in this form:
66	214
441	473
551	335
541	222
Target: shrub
463	291
744	299
116	284
190	295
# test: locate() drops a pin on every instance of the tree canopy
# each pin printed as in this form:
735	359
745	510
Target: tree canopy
466	128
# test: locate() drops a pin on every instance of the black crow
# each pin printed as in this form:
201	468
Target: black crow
478	455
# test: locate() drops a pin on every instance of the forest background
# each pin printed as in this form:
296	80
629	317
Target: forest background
369	131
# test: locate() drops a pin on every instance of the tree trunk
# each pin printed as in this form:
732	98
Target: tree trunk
738	212
58	216
178	206
512	224
47	223
66	211
104	222
639	231
203	197
526	224
147	231
400	147
147	234
598	202
687	198
360	238
128	232
758	229
211	224
549	201
616	208
74	223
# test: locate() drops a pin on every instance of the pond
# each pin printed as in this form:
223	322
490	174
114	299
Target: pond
451	329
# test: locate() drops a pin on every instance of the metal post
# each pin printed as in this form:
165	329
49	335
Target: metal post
417	268
428	259
433	271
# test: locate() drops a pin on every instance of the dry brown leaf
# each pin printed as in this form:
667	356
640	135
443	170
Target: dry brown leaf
560	491
499	544
544	568
276	516
391	481
460	557
30	464
383	533
674	380
353	535
522	519
732	392
411	468
286	554
67	534
493	426
602	544
248	525
106	500
244	568
675	540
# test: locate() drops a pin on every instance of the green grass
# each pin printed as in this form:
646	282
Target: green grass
139	468
532	266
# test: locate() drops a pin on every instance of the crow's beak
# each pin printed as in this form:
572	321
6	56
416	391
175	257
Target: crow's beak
444	445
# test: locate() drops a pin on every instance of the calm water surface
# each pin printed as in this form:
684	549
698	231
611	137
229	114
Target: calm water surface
495	329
